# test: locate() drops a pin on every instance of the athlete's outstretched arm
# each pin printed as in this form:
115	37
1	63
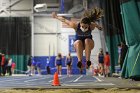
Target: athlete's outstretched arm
62	19
93	25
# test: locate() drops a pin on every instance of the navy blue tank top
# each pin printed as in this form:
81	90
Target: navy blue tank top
83	35
101	58
69	60
59	61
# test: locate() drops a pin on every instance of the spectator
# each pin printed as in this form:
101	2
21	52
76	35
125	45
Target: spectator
101	61
119	52
29	66
58	63
107	64
33	67
9	66
95	71
48	66
3	64
124	49
13	67
68	62
0	62
38	65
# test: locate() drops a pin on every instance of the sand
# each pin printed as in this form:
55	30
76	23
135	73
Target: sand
112	90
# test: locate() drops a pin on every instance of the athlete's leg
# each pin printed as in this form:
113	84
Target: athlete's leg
39	70
79	49
60	70
89	45
33	70
68	69
105	69
78	44
57	69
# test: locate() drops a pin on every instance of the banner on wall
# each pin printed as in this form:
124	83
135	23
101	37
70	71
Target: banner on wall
71	43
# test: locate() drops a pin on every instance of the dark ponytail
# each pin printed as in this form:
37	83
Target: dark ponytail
93	14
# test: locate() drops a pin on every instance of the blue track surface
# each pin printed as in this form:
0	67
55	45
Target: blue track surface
45	81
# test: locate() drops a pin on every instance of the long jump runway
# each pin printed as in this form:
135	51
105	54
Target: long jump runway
45	81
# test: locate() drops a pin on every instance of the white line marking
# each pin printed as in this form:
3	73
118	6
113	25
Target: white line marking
78	78
50	81
12	79
98	79
94	84
34	79
107	84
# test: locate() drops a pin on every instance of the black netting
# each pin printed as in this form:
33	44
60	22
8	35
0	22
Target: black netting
15	35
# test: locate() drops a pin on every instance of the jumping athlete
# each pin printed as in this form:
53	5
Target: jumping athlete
83	35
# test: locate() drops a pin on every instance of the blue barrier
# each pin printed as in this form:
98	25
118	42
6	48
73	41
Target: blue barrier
43	61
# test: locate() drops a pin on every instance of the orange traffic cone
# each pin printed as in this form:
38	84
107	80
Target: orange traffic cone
56	80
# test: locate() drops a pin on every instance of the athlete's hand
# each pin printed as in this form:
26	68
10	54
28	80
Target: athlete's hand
54	14
100	28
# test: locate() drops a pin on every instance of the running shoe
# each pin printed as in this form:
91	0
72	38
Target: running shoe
79	64
88	63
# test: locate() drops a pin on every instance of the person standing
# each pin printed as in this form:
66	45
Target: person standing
58	63
124	49
68	62
48	66
38	66
13	67
107	64
29	66
119	53
9	66
3	62
101	61
0	63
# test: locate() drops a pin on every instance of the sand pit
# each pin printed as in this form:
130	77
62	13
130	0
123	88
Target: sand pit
111	90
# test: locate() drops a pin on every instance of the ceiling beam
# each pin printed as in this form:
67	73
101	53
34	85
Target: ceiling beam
4	9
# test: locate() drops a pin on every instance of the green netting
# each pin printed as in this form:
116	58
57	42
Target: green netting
21	63
113	29
131	22
112	44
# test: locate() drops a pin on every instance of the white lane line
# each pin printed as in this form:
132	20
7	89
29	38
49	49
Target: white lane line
72	85
34	79
78	78
13	79
106	84
98	79
93	84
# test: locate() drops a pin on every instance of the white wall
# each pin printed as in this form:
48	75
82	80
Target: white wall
46	25
64	40
46	34
45	45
